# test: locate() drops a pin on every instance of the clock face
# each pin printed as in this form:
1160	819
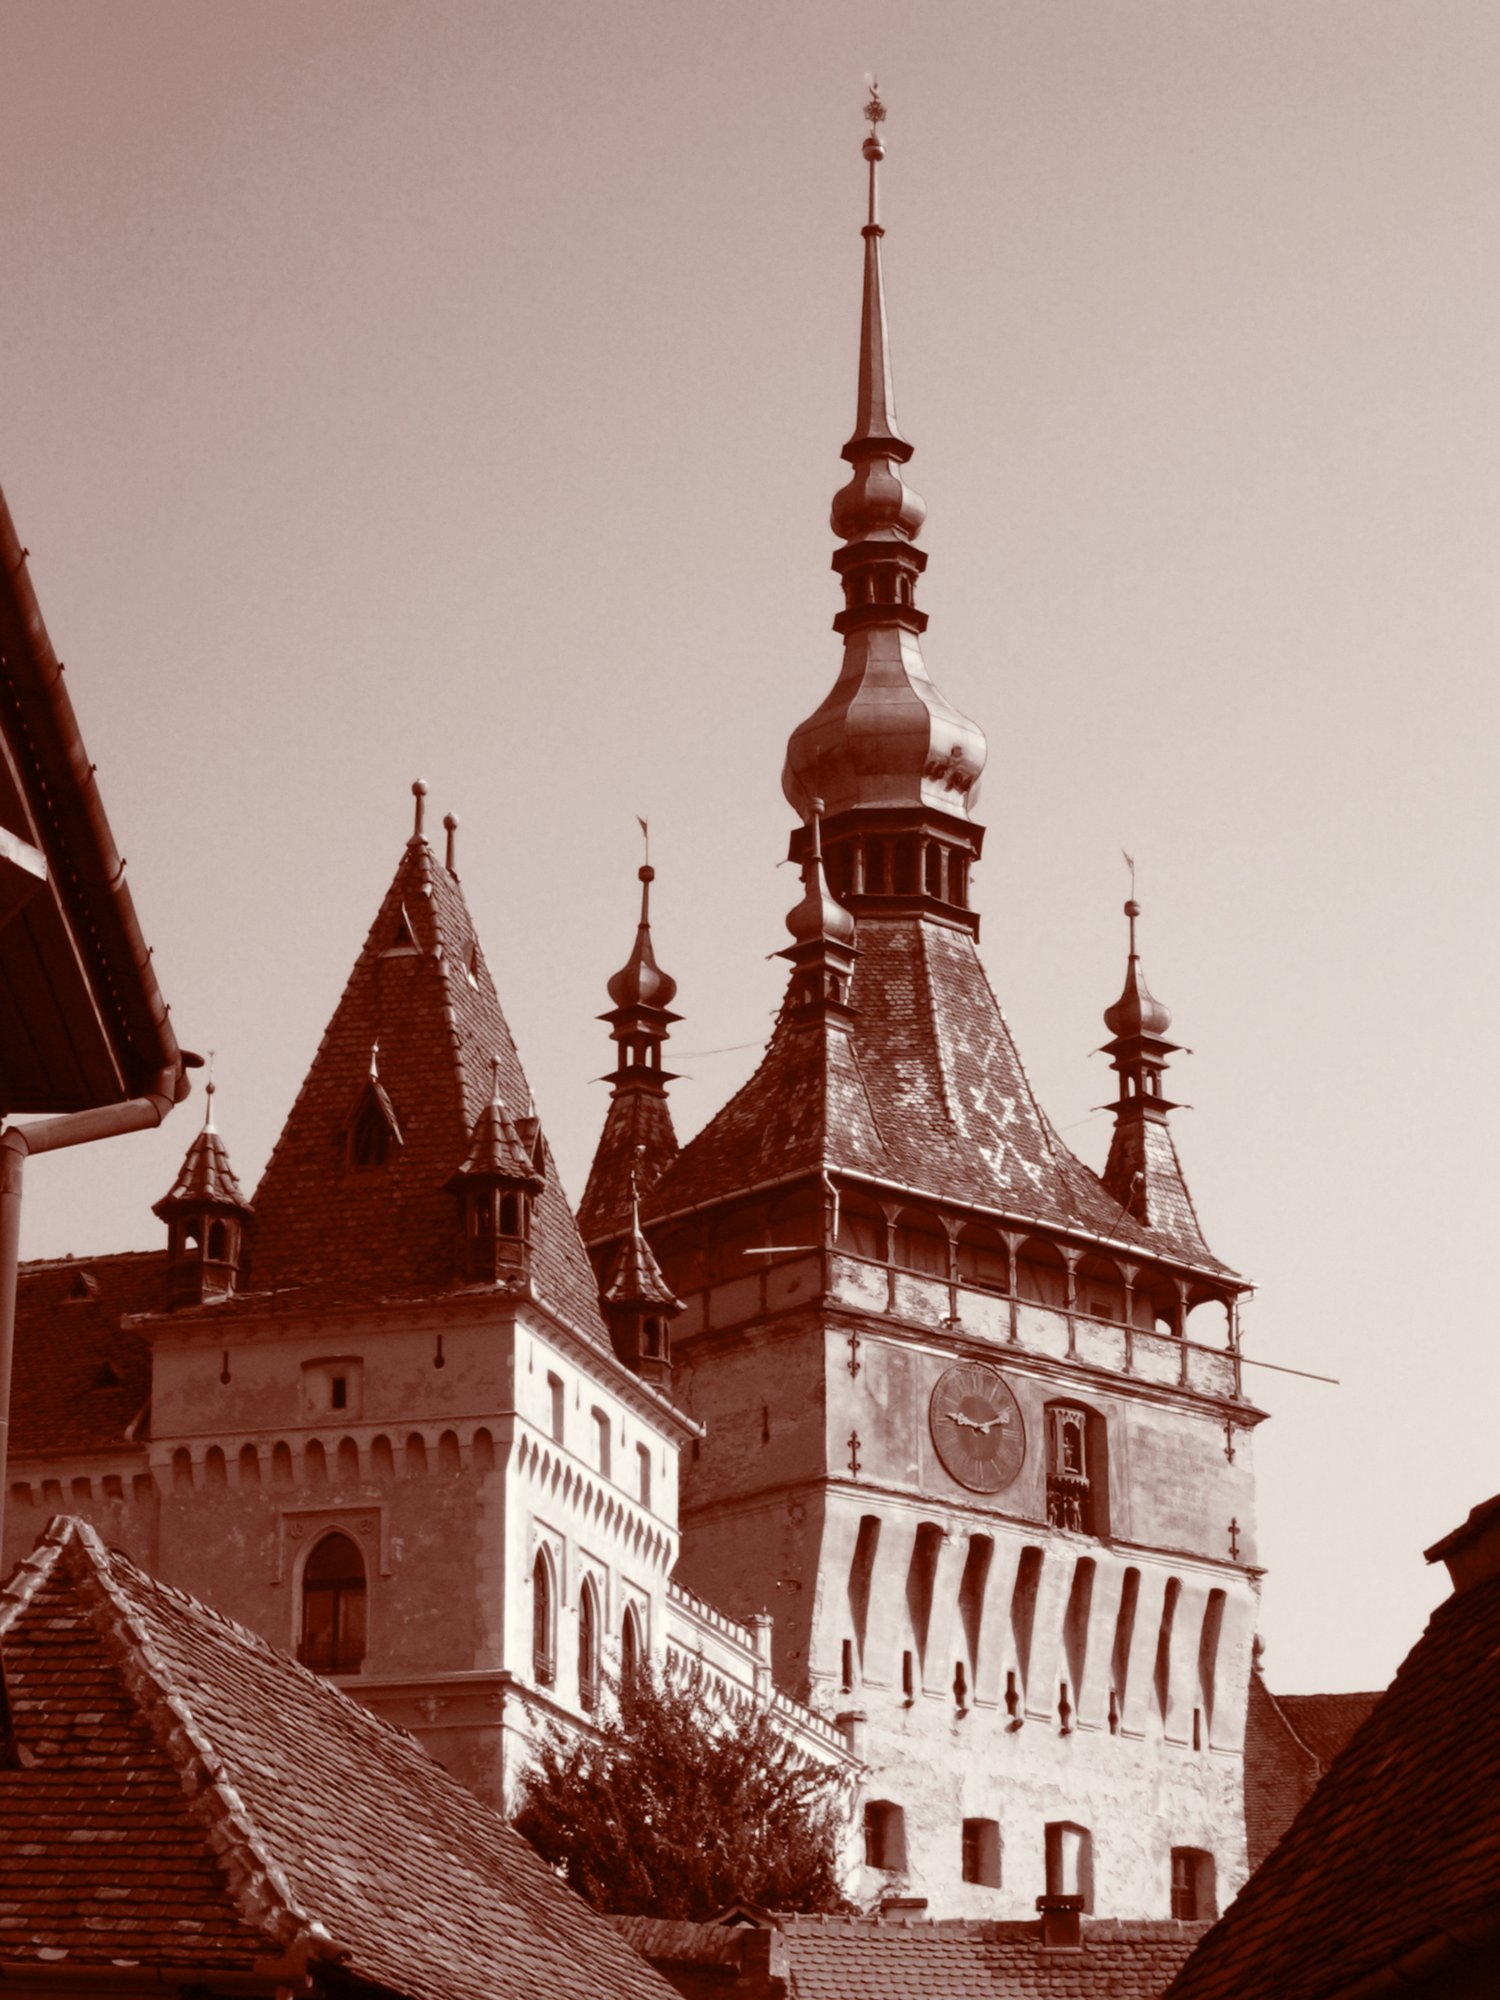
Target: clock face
976	1426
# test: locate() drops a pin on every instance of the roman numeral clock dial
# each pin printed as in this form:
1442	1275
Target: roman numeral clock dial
976	1427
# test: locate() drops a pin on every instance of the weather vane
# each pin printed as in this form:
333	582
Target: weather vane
874	110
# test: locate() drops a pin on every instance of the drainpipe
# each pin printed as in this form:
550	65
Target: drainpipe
48	1135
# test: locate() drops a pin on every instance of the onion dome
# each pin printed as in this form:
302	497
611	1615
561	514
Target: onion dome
819	917
1137	1011
640	981
885	740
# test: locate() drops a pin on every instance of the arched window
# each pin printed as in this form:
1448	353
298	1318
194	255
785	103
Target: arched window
543	1623
1070	1861
588	1648
632	1648
333	1608
218	1241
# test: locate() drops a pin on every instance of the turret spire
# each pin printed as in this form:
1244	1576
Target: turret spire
1142	1163
885	746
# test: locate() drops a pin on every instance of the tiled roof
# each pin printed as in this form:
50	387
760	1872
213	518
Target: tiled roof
902	1958
198	1799
421	990
205	1176
638	1133
1325	1722
1399	1844
81	1379
926	1089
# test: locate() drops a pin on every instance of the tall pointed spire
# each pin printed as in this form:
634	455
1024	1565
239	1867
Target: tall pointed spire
897	764
1143	1172
638	1135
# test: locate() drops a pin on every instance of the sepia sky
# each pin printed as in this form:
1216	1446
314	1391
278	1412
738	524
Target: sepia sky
456	390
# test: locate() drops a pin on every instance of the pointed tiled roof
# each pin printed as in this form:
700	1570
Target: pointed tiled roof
420	988
1389	1876
205	1178
196	1800
638	1131
925	1089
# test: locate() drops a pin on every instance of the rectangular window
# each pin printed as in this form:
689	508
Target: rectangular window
982	1852
555	1399
601	1441
1193	1894
643	1461
339	1392
885	1835
846	1666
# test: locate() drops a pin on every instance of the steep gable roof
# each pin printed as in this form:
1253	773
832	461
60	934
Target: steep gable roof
421	1004
197	1799
1397	1850
926	1089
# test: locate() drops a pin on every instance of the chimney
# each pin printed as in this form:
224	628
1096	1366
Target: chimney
1472	1552
1062	1922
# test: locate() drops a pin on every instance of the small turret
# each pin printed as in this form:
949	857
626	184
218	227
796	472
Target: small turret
822	947
497	1186
1142	1172
638	1302
640	1019
205	1211
638	1138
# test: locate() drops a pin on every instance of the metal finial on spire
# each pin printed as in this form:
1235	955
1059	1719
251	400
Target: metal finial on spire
494	1079
375	1060
208	1095
874	146
419	793
450	827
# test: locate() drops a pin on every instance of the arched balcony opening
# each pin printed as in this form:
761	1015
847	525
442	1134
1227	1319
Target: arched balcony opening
921	1243
1100	1288
1042	1274
796	1224
1158	1304
983	1258
333	1607
862	1230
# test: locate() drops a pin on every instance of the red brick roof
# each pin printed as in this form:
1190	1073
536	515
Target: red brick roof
1325	1722
1399	1846
903	1958
638	1133
205	1177
197	1800
421	990
81	1379
925	1089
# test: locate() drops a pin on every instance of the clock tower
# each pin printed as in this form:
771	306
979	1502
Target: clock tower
975	1430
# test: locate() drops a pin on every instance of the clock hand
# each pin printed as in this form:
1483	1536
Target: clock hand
974	1424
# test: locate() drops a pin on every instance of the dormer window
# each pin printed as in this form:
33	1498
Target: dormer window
373	1130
